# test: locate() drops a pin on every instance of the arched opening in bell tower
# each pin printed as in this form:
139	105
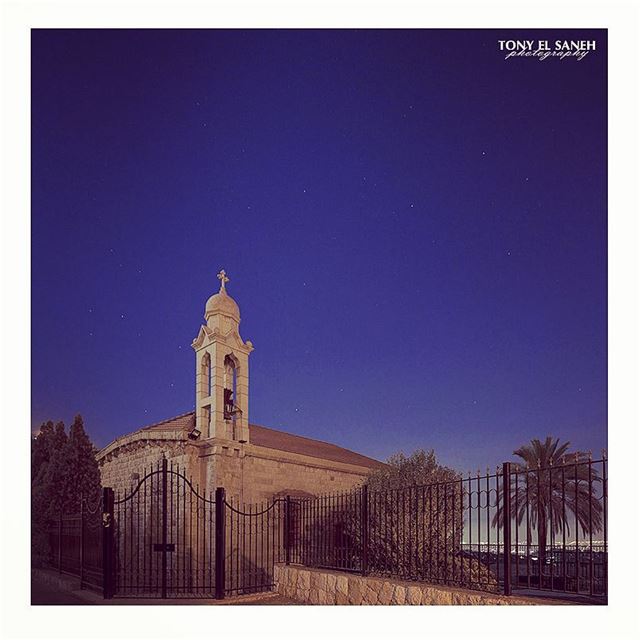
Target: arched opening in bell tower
230	384
205	376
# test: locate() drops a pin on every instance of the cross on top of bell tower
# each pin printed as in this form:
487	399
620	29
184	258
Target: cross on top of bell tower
222	276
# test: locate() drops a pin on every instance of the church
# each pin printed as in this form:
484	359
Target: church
216	445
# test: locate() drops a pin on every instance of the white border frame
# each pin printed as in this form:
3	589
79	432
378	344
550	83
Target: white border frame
619	618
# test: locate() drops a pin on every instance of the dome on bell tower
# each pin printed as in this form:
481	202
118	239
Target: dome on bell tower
222	303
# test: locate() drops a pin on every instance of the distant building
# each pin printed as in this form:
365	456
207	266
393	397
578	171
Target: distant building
216	444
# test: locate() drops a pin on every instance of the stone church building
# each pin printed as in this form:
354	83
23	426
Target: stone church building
216	445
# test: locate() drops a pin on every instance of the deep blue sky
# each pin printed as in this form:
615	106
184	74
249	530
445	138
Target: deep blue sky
415	231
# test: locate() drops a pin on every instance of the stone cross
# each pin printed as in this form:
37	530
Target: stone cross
222	276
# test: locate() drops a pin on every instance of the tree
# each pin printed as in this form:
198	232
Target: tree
400	471
40	449
413	529
547	479
63	468
47	488
82	477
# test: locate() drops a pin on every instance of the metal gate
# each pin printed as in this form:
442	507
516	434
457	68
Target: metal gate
163	543
165	538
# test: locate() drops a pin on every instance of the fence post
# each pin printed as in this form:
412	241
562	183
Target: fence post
164	526
81	541
364	527
287	530
60	541
506	506
220	543
107	543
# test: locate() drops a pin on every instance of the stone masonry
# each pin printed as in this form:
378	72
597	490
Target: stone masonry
319	586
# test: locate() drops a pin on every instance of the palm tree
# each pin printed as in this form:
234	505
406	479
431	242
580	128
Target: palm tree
555	486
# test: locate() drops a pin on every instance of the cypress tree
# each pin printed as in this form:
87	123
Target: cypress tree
56	473
63	468
47	487
82	472
40	449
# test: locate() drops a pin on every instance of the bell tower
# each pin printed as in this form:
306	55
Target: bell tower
222	370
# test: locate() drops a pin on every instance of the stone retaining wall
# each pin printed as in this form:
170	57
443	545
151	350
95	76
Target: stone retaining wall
315	586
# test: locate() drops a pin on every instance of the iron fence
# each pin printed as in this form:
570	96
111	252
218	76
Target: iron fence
166	538
75	544
514	529
253	544
531	530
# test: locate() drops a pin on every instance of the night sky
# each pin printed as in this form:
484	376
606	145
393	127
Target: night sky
415	230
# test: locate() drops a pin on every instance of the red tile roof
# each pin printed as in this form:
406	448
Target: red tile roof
183	422
279	440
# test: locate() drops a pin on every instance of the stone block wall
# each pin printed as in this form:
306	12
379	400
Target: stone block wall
254	474
250	474
118	468
317	586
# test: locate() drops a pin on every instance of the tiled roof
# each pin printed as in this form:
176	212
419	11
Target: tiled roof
274	439
279	440
183	422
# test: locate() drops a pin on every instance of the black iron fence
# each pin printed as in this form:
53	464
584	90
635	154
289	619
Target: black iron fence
75	544
542	529
167	538
517	528
253	543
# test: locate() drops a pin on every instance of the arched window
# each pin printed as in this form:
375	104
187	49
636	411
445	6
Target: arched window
205	375
231	410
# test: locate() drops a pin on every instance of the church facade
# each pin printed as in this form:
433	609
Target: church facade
216	445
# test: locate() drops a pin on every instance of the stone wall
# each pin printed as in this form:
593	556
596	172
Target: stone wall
119	468
253	474
249	473
315	586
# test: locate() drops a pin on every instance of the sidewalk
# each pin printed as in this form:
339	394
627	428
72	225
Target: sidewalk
51	588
